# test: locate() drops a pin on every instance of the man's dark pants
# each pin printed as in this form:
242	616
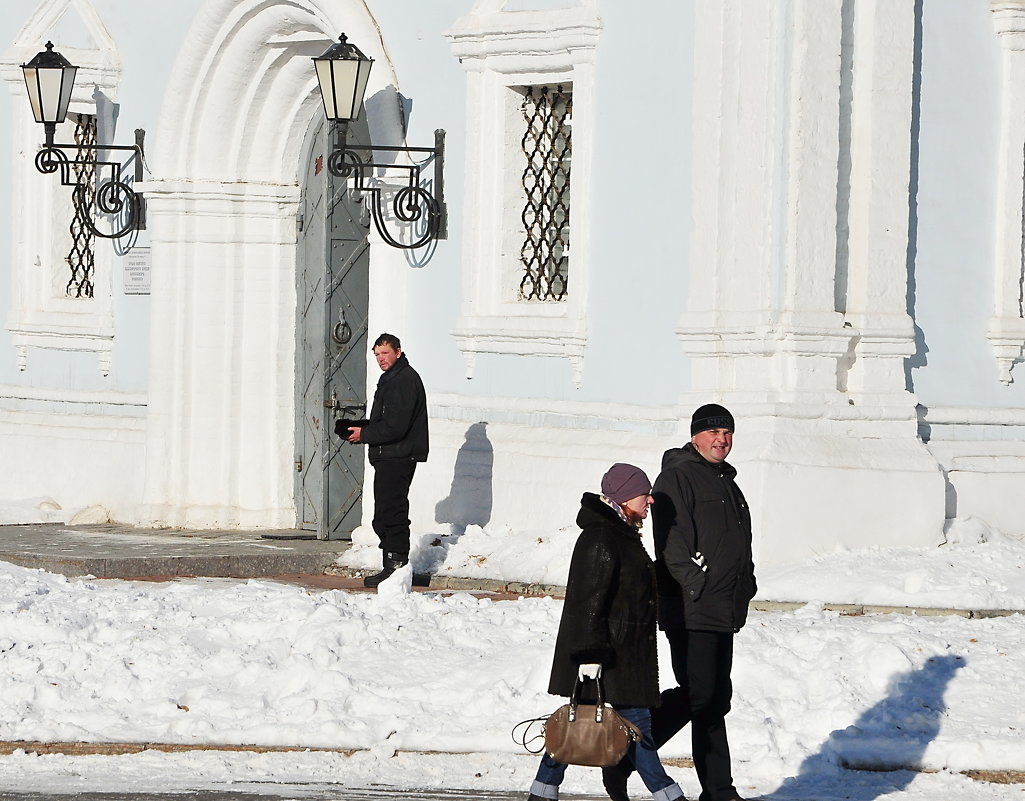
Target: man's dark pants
392	478
702	661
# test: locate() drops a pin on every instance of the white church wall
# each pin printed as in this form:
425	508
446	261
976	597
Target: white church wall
82	449
982	454
73	397
957	209
500	460
967	228
710	270
636	213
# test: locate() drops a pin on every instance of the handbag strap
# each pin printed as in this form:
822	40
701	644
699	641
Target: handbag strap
599	709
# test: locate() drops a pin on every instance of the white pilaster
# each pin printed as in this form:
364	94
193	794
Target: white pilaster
876	298
1006	331
761	322
223	347
796	324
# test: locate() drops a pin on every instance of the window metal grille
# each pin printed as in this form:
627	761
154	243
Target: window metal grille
80	258
547	145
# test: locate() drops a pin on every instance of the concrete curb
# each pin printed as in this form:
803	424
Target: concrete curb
456	583
120	749
214	565
556	591
869	609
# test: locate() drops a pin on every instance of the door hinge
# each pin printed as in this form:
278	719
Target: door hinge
299	221
299	465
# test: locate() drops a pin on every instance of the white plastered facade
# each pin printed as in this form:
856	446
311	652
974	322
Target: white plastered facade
67	431
795	316
42	315
981	449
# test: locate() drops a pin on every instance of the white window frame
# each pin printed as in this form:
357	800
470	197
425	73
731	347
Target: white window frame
501	52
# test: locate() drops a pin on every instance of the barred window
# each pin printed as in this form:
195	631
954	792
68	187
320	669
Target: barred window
547	146
81	256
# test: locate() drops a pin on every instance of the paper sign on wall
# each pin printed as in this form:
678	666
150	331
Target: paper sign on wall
137	271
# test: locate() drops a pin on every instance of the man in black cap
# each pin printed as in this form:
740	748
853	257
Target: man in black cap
702	533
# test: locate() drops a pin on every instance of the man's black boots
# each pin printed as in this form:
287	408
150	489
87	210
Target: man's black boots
392	562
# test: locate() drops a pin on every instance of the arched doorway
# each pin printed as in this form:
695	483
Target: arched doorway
222	206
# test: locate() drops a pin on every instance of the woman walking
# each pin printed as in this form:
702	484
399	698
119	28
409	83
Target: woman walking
608	623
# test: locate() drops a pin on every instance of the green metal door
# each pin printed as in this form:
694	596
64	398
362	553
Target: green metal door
333	283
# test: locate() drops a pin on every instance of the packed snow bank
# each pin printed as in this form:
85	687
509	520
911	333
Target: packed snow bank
215	661
495	552
977	567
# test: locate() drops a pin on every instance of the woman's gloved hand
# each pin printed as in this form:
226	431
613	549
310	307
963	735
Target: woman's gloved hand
589	671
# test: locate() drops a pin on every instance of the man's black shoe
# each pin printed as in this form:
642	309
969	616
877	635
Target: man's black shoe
392	562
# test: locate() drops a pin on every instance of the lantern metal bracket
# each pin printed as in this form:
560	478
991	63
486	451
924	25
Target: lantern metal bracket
412	203
113	195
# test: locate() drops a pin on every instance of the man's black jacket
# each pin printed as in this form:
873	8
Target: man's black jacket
397	428
699	509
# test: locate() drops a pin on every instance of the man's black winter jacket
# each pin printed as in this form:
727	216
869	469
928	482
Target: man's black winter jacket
699	509
397	428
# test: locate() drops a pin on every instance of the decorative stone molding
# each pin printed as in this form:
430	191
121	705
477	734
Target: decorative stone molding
500	50
42	315
1006	331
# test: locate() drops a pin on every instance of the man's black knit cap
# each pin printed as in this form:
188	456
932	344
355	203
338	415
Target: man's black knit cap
711	415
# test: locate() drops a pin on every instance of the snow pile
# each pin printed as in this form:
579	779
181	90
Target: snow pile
31	510
977	568
495	552
216	661
398	673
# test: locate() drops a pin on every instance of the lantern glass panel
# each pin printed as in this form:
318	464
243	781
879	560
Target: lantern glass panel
361	86
49	91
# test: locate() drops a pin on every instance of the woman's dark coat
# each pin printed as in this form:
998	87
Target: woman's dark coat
700	509
610	615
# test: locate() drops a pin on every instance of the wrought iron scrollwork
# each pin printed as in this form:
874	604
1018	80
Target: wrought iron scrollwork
111	195
412	204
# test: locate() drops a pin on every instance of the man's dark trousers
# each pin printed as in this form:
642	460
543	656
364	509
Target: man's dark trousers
702	661
392	478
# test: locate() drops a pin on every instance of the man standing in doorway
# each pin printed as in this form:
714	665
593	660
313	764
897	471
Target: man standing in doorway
702	533
396	434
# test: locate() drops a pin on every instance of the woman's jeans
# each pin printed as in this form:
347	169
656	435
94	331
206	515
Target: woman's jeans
642	754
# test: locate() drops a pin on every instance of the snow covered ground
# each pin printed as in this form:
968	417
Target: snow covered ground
399	673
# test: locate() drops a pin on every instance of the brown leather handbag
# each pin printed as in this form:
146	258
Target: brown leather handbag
588	734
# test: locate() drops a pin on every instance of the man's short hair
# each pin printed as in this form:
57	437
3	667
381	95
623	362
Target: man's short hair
389	339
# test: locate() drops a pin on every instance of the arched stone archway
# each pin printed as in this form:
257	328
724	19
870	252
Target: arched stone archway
222	220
